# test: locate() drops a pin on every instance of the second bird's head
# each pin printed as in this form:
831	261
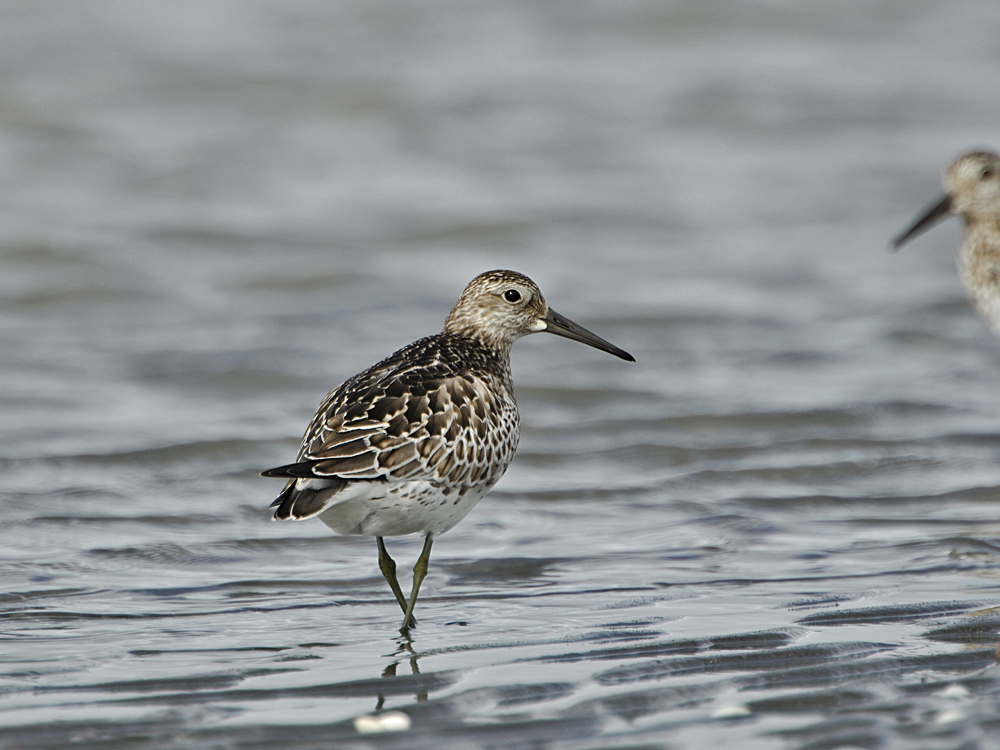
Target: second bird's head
972	190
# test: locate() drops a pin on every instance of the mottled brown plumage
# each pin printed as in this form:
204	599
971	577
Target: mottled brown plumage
440	410
411	444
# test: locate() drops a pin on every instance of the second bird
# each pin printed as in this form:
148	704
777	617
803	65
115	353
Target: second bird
411	444
972	190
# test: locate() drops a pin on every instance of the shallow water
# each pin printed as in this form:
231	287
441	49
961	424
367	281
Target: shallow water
780	528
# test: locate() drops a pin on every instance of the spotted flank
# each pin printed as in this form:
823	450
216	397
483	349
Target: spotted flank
411	444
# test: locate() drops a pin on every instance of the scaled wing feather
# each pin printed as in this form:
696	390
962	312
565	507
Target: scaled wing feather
419	415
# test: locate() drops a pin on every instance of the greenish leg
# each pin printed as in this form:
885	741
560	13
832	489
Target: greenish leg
388	567
419	573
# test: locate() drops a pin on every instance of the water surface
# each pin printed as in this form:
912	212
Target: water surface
779	529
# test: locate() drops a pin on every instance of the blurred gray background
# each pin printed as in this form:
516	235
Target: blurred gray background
213	212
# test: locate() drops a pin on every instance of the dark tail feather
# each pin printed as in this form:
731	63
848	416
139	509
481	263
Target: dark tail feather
297	504
285	495
302	470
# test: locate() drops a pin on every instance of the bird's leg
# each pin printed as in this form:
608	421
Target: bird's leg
419	573
388	567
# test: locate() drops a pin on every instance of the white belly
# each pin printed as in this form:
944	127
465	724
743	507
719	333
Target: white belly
398	508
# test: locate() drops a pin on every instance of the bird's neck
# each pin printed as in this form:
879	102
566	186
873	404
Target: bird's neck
494	352
499	344
979	265
981	243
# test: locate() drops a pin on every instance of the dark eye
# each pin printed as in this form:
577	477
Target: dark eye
512	295
986	173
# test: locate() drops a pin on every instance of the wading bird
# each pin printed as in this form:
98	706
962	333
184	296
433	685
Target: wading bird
410	445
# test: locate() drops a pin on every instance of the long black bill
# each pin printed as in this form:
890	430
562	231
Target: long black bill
560	326
927	219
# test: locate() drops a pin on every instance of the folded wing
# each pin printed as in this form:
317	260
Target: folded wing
438	431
